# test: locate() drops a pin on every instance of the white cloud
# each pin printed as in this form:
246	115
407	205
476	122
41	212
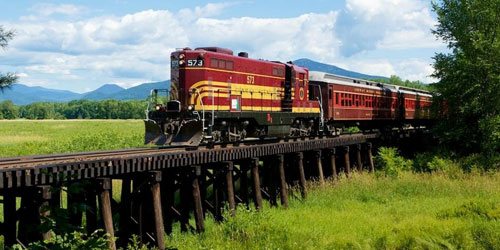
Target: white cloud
387	24
135	48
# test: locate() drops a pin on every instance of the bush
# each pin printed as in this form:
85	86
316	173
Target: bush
75	240
390	162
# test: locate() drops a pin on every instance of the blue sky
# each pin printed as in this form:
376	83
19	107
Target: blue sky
81	45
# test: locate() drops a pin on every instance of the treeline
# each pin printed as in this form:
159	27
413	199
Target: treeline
396	80
78	109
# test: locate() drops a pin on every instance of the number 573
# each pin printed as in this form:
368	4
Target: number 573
250	79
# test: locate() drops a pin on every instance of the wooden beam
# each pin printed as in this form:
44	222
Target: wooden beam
319	165
105	207
358	158
230	187
198	209
333	165
302	177
370	158
347	162
9	219
157	210
256	183
283	186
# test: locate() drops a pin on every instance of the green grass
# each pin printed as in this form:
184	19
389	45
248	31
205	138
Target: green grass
413	211
408	211
23	137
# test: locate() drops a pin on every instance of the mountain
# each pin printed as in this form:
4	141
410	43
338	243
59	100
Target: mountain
104	90
140	91
21	94
316	66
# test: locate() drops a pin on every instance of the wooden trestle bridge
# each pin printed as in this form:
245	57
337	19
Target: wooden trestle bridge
163	185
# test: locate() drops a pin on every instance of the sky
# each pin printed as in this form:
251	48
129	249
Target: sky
80	45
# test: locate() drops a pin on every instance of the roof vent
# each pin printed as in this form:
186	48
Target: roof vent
217	50
243	54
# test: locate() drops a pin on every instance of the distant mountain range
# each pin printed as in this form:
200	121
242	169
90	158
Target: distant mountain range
316	66
21	94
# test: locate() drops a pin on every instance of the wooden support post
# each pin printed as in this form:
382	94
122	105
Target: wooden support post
185	197
244	182
75	204
125	212
105	207
10	219
256	184
370	158
168	197
90	211
198	209
269	183
283	186
230	187
347	162
44	209
302	183
218	193
35	207
358	158
157	211
319	164
333	164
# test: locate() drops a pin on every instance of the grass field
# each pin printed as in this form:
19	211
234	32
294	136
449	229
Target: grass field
414	211
22	137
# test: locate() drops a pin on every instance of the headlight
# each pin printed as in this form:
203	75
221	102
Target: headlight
181	62
157	107
190	107
181	56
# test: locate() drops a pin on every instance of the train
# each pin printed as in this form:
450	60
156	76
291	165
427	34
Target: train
216	96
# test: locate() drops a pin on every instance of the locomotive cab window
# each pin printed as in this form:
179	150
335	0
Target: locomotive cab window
222	64
229	65
214	63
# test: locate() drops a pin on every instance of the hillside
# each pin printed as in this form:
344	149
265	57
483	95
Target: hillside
316	66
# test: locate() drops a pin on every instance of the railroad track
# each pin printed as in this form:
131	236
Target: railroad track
34	160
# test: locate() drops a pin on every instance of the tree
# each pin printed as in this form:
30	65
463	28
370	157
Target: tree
9	78
469	76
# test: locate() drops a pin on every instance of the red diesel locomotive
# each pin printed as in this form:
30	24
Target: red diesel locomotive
216	96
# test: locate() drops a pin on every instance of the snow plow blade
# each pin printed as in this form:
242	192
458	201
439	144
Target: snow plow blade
189	134
154	134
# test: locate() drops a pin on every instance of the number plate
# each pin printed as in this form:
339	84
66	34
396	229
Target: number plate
195	63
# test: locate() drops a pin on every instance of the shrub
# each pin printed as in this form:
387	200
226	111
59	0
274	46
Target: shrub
75	240
391	163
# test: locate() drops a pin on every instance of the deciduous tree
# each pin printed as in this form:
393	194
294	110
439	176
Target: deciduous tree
469	75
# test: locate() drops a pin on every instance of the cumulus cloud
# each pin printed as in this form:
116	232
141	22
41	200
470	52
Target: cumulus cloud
135	48
386	24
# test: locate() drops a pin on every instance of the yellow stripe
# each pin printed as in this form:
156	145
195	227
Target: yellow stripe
232	71
237	87
305	110
208	108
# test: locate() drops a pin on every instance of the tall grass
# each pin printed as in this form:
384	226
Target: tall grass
50	136
423	211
